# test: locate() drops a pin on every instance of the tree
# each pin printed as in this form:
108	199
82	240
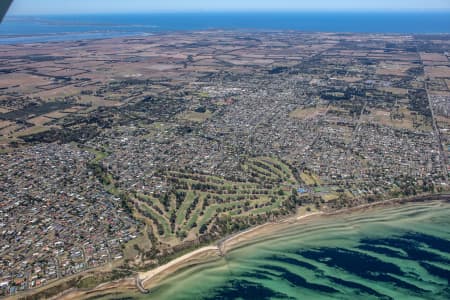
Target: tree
203	228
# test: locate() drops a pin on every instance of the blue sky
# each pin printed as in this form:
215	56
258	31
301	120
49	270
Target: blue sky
31	7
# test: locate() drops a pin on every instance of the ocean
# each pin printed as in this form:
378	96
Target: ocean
23	29
398	252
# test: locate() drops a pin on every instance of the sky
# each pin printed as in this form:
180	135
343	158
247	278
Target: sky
39	7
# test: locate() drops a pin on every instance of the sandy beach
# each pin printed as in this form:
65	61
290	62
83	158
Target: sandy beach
124	285
177	263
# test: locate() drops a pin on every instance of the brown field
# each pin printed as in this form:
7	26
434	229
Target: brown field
440	93
73	109
207	62
4	110
43	68
438	71
350	79
393	68
58	91
66	72
378	116
205	69
243	61
87	64
4	124
41	120
23	81
33	130
98	102
195	116
394	90
308	113
443	123
409	120
56	115
433	57
162	67
7	131
406	57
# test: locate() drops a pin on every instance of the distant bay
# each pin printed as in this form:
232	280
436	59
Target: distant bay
21	29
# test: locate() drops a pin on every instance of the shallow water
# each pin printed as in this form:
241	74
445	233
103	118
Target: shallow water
16	29
400	252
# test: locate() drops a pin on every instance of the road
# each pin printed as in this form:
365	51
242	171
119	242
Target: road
442	152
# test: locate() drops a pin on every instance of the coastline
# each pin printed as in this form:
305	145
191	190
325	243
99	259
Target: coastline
238	239
178	262
222	247
152	278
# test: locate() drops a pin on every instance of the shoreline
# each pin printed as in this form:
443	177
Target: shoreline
146	276
220	249
152	278
233	241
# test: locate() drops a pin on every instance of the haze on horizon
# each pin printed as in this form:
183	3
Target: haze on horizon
43	7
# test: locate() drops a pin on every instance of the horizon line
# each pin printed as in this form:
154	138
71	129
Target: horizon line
356	11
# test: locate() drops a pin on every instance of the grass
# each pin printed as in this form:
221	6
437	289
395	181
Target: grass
32	130
181	213
310	179
160	219
273	169
91	281
196	116
330	197
307	209
307	112
285	169
99	155
203	95
263	210
207	215
88	282
226	196
142	241
191	221
151	200
262	172
307	179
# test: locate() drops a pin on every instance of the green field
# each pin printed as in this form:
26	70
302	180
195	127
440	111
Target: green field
207	199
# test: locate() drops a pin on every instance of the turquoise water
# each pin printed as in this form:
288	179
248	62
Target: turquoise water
59	28
399	252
